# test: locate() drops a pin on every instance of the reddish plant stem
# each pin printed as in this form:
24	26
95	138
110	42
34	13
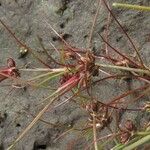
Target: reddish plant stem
108	58
56	62
140	96
2	78
70	48
93	24
114	107
130	40
115	100
109	77
23	45
107	105
63	89
106	33
117	51
9	71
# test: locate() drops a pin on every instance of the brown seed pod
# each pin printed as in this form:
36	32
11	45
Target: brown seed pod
11	63
101	114
127	131
130	126
124	137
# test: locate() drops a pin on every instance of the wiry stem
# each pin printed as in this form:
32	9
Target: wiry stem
45	70
138	143
94	132
118	52
105	137
115	100
23	45
106	33
93	24
125	68
130	40
62	90
129	6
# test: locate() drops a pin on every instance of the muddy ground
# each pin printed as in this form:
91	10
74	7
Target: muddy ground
29	19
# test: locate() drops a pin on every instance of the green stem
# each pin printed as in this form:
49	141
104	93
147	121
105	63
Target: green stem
42	75
143	133
125	68
138	143
59	92
44	69
129	6
50	78
94	132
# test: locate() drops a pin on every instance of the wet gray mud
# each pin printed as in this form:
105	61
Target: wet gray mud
29	20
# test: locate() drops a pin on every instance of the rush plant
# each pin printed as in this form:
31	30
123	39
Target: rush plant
77	72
